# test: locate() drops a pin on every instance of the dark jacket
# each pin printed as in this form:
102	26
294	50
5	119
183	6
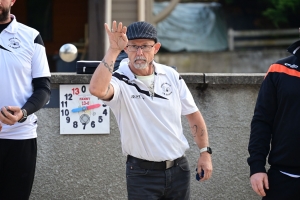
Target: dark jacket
276	119
120	57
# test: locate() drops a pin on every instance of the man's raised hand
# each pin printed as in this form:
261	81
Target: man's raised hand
117	35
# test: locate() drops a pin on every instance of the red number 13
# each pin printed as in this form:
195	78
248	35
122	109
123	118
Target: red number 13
75	91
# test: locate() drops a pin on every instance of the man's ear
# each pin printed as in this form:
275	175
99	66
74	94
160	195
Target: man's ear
125	49
157	47
13	2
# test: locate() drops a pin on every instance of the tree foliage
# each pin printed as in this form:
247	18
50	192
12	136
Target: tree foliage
280	10
272	13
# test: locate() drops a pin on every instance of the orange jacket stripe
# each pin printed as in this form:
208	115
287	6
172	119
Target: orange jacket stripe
283	69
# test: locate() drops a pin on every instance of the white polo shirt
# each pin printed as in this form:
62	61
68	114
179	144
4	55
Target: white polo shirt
150	126
22	58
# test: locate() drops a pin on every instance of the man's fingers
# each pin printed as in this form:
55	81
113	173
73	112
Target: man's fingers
207	175
106	28
255	189
262	185
124	29
114	27
111	30
259	182
120	25
266	182
258	187
8	114
261	189
199	172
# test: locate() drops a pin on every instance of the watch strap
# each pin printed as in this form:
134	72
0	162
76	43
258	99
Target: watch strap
208	149
24	117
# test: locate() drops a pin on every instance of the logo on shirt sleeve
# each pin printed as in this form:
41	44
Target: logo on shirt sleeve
291	65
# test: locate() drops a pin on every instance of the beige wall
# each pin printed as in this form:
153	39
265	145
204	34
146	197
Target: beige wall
92	167
124	11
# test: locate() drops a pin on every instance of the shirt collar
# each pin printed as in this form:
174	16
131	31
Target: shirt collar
295	49
13	26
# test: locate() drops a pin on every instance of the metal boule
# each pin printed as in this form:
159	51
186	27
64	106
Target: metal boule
68	52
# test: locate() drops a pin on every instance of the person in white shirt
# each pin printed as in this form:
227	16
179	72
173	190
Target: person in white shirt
148	99
25	88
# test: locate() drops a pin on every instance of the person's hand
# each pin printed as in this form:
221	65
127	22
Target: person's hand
205	164
10	118
259	181
0	126
117	35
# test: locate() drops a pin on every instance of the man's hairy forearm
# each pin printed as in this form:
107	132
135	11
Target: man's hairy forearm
200	135
109	67
100	81
108	88
194	130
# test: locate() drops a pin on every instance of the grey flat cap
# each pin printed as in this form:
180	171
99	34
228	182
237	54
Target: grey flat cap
141	30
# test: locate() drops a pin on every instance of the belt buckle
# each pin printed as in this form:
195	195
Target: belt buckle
169	164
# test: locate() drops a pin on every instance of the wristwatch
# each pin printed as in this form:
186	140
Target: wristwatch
23	119
208	149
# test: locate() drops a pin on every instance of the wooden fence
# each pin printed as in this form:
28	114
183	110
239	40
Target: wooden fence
254	38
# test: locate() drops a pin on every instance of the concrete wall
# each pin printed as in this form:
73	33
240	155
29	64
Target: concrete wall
92	166
239	61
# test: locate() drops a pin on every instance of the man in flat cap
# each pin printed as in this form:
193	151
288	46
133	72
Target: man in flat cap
148	99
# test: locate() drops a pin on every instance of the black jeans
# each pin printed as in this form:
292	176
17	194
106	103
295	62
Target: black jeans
17	168
171	184
282	187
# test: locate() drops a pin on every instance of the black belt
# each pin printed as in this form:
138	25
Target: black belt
145	164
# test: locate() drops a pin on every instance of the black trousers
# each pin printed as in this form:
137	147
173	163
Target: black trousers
171	184
17	168
282	187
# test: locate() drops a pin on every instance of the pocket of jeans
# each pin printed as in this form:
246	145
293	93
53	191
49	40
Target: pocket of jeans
184	165
135	170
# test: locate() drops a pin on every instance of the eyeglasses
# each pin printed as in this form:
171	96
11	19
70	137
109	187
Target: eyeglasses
134	48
